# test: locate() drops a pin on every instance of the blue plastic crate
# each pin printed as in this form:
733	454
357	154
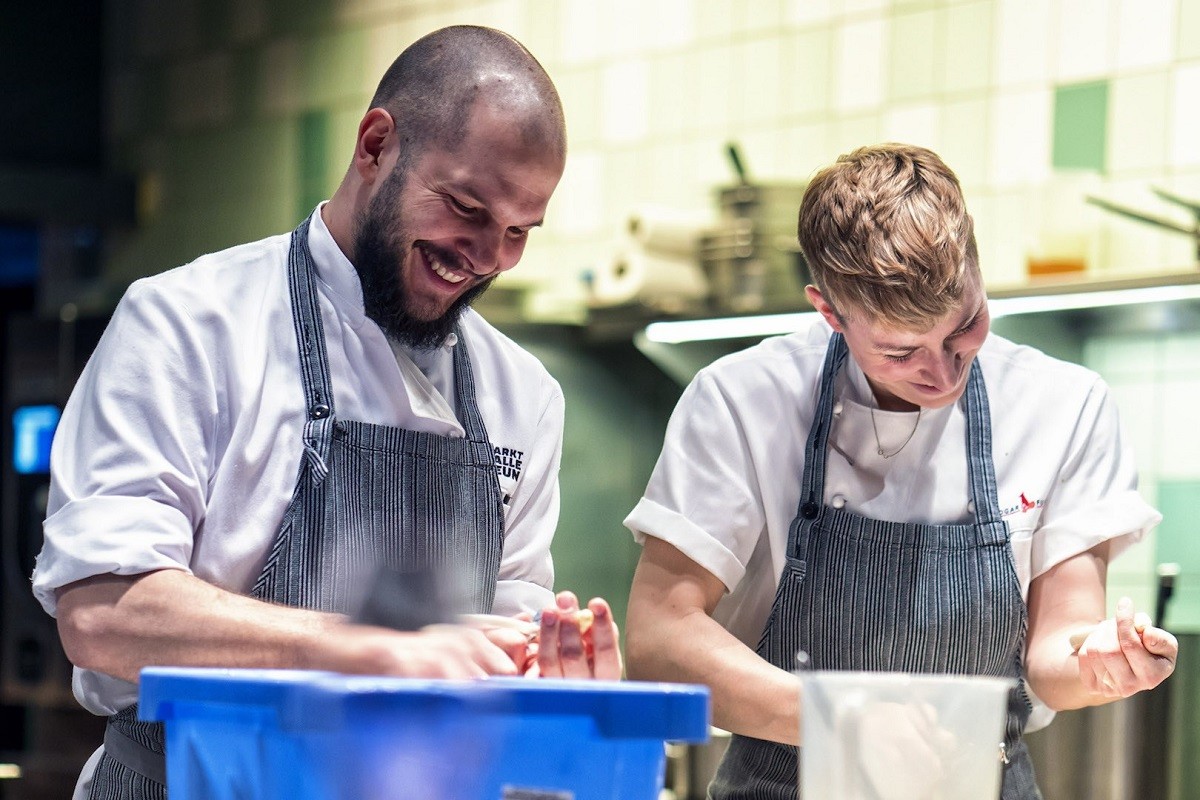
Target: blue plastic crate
320	736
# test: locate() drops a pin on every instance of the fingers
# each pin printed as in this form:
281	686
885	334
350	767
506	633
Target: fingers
606	650
1161	643
1126	654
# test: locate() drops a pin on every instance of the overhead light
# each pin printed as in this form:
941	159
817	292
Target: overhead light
750	327
762	325
1070	301
10	772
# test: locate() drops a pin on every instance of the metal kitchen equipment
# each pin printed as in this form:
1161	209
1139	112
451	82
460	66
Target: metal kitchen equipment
750	256
1193	206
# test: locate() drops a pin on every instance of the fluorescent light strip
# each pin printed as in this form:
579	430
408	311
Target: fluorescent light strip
1007	306
701	330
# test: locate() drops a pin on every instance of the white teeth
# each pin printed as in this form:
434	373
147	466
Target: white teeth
445	273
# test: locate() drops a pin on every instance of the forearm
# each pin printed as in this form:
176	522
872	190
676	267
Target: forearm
749	695
1052	670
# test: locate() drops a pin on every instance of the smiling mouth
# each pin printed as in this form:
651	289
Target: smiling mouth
440	269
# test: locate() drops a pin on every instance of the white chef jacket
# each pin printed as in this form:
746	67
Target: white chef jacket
180	445
727	484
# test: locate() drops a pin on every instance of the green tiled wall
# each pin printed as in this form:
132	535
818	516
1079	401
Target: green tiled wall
1081	126
1179	542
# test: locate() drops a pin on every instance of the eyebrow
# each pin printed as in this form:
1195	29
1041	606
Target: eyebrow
966	323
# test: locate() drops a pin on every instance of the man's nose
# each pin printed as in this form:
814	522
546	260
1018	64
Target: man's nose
484	251
947	369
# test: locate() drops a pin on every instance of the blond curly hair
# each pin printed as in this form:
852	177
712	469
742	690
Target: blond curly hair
886	234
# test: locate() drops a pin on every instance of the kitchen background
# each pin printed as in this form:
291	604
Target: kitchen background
141	133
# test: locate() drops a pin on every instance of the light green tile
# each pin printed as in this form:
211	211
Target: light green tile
333	68
1179	543
806	60
966	50
312	152
915	53
1080	126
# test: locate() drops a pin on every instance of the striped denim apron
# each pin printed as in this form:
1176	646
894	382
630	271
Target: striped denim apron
865	594
366	495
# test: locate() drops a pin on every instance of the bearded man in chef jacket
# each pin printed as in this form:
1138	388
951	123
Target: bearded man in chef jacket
892	489
253	423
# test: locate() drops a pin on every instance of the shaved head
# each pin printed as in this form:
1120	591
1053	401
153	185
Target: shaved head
431	89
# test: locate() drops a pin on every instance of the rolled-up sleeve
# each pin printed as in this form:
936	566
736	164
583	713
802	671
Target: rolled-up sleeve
1095	498
132	454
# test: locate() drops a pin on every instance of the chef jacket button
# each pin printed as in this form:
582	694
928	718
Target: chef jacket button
837	409
809	510
838	501
319	411
451	339
970	506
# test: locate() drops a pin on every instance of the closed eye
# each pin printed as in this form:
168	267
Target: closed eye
898	359
461	207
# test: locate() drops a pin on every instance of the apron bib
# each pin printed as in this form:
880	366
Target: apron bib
864	594
367	495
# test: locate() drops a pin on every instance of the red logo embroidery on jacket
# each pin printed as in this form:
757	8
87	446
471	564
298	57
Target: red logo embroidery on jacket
1026	503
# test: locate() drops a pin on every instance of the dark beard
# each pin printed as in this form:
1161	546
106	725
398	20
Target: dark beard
376	259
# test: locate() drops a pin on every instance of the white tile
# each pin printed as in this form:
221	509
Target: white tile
543	21
1023	53
967	47
807	71
1126	361
1189	29
671	108
712	69
1137	122
1086	40
915	53
1002	252
714	20
852	132
1145	33
963	139
757	75
807	148
860	55
1135	398
1177	457
279	76
1020	146
625	26
860	6
583	31
579	90
919	124
811	12
578	206
625	104
670	23
1185	117
758	16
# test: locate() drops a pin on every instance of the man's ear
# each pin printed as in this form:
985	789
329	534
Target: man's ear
374	130
822	305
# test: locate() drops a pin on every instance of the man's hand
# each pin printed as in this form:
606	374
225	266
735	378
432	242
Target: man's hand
1125	655
569	647
436	651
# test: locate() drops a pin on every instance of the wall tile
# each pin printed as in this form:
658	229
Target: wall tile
963	140
807	147
967	47
1178	542
1080	126
919	123
672	107
333	69
860	53
1138	122
711	67
915	52
757	67
626	28
200	92
1185	117
1085	39
579	90
543	26
853	131
584	31
1145	33
1133	397
1189	30
714	20
1124	361
811	12
1178	457
247	21
860	6
757	16
582	183
1020	145
1181	354
1022	43
1009	237
625	101
670	24
806	67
